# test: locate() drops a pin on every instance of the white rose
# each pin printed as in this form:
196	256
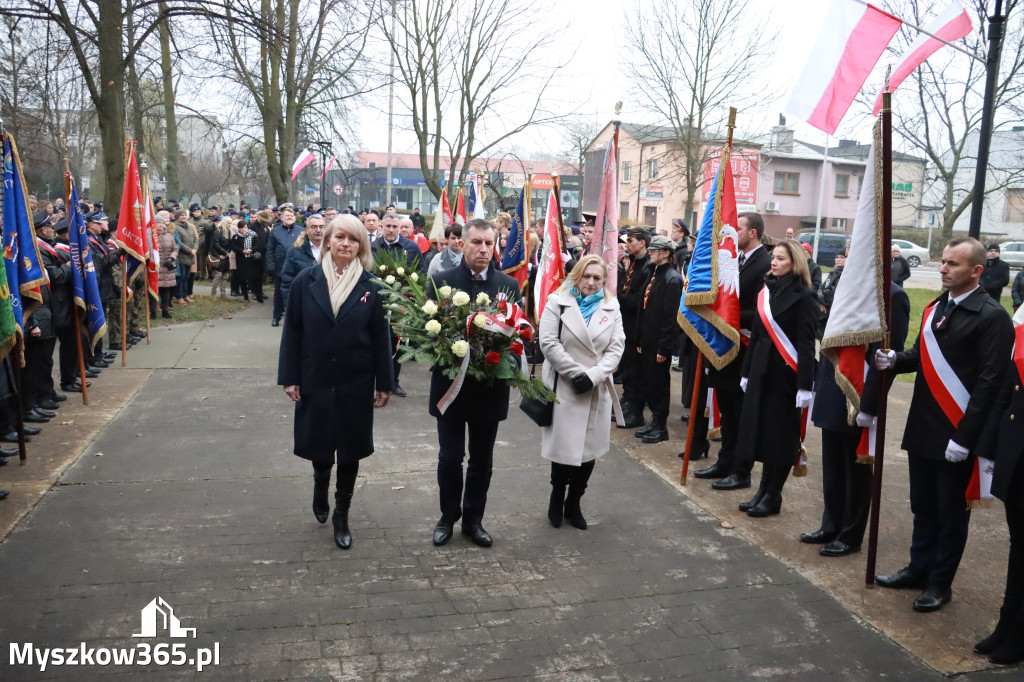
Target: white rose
383	268
445	291
390	279
400	271
414	277
480	321
460	298
460	348
433	327
429	308
482	299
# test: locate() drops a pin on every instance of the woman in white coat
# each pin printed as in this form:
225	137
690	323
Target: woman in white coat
582	338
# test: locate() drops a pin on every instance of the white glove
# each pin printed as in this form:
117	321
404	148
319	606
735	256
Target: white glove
804	398
885	359
743	384
865	420
956	452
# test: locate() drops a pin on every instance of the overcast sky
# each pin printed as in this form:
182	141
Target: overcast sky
595	81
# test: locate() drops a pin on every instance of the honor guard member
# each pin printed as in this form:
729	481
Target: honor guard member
657	335
56	259
634	272
755	261
104	258
960	357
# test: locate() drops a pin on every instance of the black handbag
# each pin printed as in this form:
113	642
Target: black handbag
541	411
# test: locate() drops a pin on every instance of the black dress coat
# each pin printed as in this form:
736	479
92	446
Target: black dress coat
477	401
298	259
771	420
1003	439
402	246
755	267
337	362
976	341
657	330
633	278
104	258
61	285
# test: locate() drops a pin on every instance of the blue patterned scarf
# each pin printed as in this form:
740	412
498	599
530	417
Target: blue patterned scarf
588	304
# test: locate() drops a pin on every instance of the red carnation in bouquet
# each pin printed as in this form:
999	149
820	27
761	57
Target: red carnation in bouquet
516	348
492	358
525	333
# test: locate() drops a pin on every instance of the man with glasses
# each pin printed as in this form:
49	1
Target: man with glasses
304	254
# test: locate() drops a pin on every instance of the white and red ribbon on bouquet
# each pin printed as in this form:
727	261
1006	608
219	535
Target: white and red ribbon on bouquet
509	321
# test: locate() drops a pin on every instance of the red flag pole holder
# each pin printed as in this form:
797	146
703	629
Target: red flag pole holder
883	393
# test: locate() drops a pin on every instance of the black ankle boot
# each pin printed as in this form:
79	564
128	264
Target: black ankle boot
555	505
321	486
759	495
577	486
342	535
1011	649
771	503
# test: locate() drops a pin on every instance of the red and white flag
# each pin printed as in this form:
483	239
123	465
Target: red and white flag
849	45
305	158
460	208
952	23
856	318
605	242
550	264
326	168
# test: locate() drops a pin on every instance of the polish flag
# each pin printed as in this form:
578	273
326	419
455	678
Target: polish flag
952	23
305	158
326	168
853	38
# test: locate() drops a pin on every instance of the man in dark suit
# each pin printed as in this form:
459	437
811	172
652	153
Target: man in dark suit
397	246
968	337
634	272
478	408
754	262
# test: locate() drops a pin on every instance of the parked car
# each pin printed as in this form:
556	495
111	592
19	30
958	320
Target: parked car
831	244
1012	253
914	254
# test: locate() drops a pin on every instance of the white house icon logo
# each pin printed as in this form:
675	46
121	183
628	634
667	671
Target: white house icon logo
158	611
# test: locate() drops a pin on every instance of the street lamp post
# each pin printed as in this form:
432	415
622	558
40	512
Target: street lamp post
325	153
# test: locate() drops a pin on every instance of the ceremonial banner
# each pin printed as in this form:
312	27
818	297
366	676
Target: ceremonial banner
605	242
550	263
857	315
513	261
460	208
849	45
21	255
152	252
475	201
130	231
85	286
709	311
950	24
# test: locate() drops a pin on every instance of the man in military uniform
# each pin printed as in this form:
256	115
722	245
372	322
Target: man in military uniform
634	272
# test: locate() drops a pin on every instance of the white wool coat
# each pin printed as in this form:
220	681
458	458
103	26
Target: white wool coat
581	428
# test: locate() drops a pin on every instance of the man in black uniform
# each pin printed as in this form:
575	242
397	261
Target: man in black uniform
996	274
478	408
56	259
968	337
754	262
634	272
657	335
104	258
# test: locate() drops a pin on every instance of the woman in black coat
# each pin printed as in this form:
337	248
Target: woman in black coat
335	364
1004	442
778	387
249	259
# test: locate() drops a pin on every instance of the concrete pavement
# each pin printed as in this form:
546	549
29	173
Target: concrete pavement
209	511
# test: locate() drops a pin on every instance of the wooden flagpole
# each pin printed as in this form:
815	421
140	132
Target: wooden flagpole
124	274
886	377
74	306
695	402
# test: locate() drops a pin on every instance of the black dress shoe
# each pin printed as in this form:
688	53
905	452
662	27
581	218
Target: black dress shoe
8	452
71	388
933	599
818	537
116	346
91	374
109	354
443	532
655	435
275	323
716	470
732	482
49	405
901	579
34	417
43	412
59	397
399	391
29	431
12	437
640	433
102	363
1010	650
838	548
477	534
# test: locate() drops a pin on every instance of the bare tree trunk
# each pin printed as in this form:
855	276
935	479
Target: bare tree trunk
134	91
171	121
110	106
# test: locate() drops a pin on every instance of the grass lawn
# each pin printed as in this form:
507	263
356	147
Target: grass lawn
204	308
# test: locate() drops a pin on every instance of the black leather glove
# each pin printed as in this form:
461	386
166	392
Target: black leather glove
581	383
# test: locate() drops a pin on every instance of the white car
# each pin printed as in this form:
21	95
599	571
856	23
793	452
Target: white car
1012	253
914	254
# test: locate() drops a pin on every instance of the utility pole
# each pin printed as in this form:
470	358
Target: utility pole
391	107
995	49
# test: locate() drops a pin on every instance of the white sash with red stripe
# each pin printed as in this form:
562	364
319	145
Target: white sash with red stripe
782	343
949	392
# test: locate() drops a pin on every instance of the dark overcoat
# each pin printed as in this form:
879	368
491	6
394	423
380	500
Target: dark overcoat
57	263
657	330
298	259
337	362
755	267
975	340
1003	438
477	401
633	276
104	258
770	418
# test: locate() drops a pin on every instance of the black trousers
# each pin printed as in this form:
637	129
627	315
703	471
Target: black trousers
1013	601
165	298
396	366
68	355
657	383
37	376
631	371
252	285
846	487
730	406
469	501
279	301
941	517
